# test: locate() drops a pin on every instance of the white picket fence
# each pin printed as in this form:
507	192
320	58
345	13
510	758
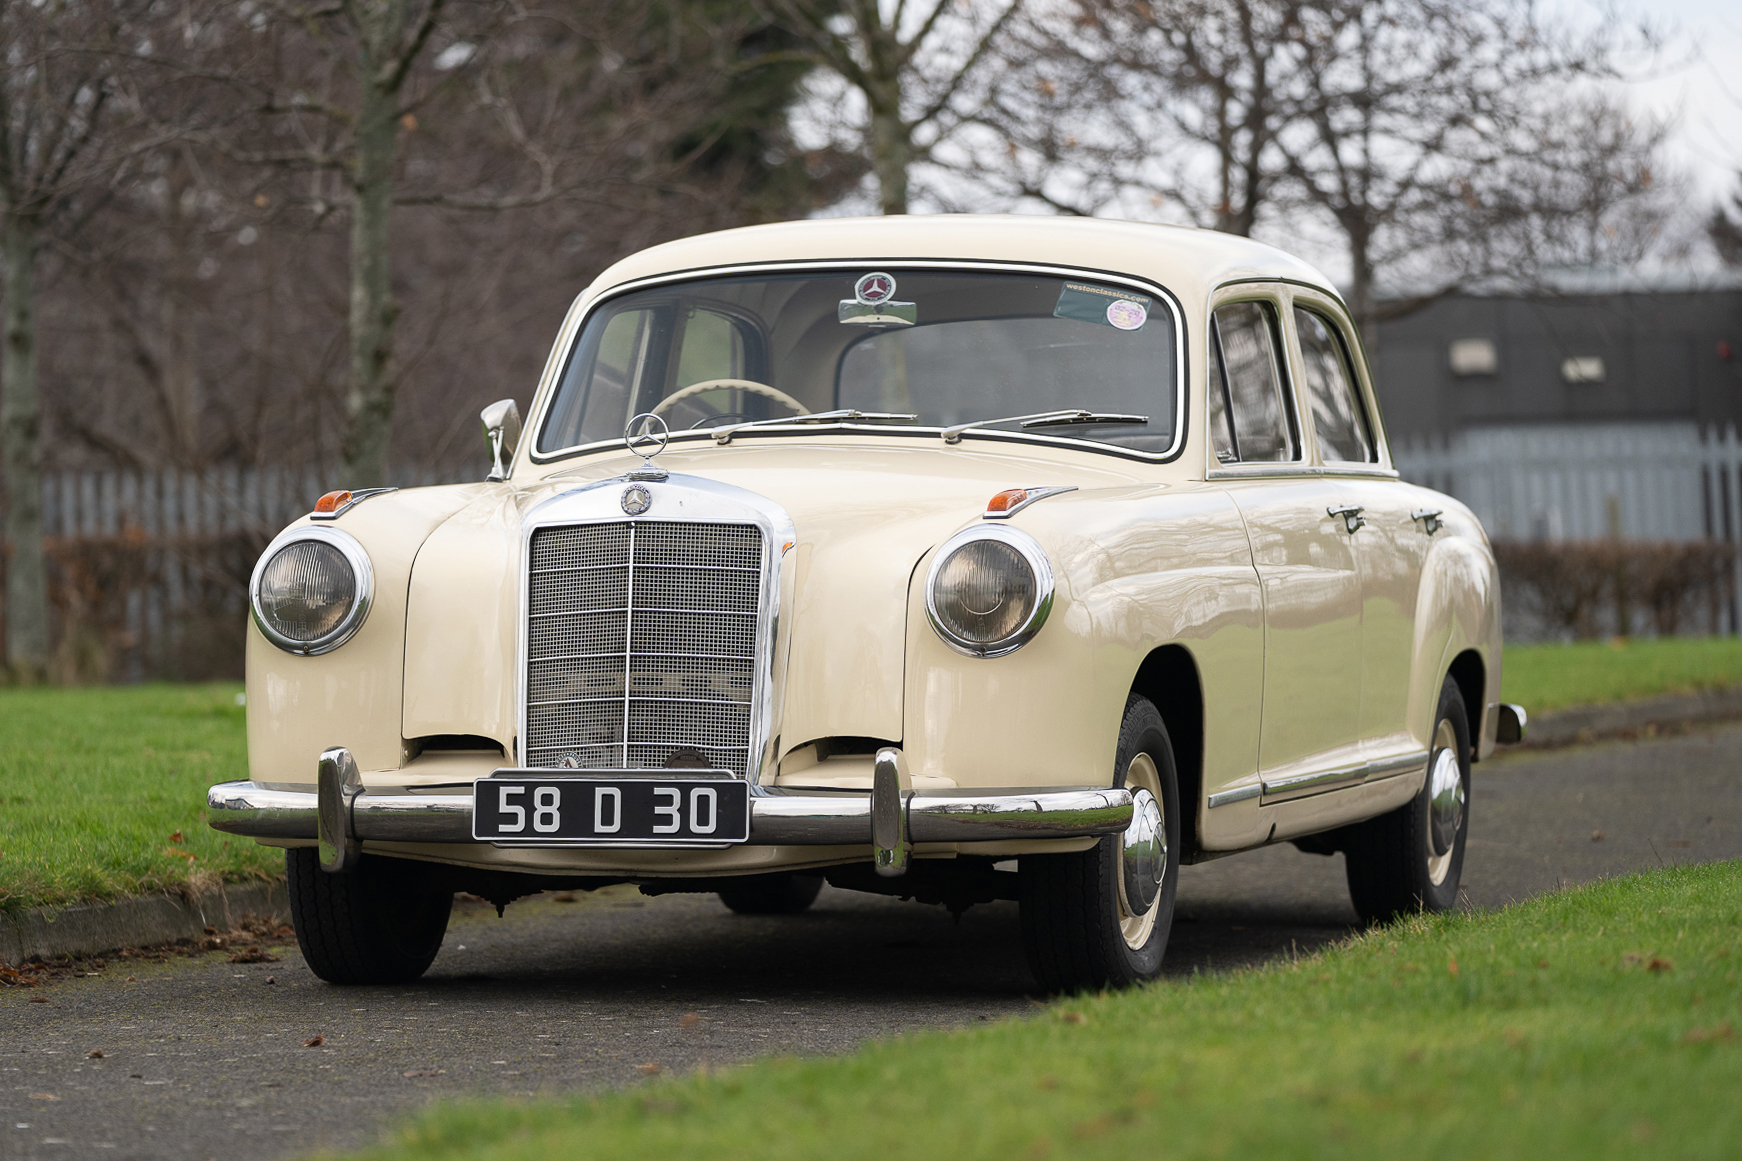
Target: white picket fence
1637	481
176	504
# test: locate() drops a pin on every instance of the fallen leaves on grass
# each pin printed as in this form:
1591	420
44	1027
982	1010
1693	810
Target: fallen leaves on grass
1074	1018
253	954
1700	1035
1659	964
314	1042
1452	968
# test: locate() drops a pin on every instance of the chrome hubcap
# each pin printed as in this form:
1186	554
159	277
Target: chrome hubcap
1446	802
1145	852
1142	853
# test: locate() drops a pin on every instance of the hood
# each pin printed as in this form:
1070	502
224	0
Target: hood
864	514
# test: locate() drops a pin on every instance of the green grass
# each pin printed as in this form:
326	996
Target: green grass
1597	1022
1549	677
95	783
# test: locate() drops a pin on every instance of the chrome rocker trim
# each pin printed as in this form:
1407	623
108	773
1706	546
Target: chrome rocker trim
341	814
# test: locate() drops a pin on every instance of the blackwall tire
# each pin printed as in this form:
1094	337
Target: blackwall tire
1411	859
381	923
1086	923
786	894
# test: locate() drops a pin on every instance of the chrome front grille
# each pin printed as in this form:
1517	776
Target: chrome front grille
642	645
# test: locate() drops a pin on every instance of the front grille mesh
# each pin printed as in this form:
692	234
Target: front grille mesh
642	645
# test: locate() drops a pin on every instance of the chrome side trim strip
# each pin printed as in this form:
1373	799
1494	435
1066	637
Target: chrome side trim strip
1238	794
776	819
1303	785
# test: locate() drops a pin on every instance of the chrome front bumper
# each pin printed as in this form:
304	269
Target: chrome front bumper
342	814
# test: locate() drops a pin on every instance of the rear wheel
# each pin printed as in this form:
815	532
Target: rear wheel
1411	859
785	894
381	923
1100	918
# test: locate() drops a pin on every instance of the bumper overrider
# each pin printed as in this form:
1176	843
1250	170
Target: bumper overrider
341	814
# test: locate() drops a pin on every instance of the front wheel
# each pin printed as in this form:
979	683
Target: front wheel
1100	918
1411	859
381	923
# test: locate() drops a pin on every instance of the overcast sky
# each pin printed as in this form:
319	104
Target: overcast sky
1706	90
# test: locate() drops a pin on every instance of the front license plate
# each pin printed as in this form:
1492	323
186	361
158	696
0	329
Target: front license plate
611	811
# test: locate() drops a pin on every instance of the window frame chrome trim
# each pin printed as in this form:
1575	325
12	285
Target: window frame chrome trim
678	499
1044	587
570	337
362	568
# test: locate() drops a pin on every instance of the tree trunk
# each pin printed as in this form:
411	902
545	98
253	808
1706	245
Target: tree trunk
21	421
1361	303
369	402
892	153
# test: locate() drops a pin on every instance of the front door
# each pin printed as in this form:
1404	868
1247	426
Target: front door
1308	732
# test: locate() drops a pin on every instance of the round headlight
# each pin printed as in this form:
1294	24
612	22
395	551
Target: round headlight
989	590
310	591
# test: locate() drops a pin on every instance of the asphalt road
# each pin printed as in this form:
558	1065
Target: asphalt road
202	1058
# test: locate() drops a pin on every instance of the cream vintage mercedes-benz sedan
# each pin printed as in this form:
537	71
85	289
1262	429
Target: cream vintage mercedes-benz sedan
958	558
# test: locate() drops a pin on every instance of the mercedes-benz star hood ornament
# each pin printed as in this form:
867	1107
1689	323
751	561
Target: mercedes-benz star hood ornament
646	435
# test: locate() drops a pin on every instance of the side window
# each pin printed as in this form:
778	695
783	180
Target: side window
1250	420
1338	417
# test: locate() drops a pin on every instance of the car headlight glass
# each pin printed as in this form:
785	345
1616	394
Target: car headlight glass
989	590
310	590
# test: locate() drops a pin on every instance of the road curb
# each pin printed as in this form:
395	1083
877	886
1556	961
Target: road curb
1593	722
95	928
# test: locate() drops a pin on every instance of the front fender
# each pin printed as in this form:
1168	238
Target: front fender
298	706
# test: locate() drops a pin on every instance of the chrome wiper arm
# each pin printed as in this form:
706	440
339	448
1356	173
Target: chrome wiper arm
1063	418
1089	417
953	434
723	435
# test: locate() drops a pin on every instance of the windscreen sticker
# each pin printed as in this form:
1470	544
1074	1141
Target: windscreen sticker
1104	305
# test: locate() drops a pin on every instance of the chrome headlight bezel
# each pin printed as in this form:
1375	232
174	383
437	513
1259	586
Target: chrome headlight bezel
1030	551
361	568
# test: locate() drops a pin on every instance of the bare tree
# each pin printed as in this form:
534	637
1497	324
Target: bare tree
908	66
1725	230
1438	141
1409	114
1178	102
65	117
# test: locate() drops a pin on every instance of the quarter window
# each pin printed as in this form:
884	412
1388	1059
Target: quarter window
1338	418
1250	418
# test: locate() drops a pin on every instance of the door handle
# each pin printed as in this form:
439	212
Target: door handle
1430	519
1351	514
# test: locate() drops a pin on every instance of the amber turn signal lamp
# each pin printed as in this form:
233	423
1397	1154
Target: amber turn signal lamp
1006	500
332	501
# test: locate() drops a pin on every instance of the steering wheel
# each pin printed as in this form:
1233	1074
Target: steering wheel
749	385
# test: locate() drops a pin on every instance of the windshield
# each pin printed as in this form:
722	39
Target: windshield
951	346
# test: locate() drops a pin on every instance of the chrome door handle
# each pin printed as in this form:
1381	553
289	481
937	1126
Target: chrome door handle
1351	514
1430	519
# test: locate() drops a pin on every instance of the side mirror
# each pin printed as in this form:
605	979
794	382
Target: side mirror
502	432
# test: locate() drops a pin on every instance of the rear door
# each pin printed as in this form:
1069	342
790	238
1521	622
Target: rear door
1392	540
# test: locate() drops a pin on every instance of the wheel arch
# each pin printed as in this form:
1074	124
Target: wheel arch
1470	674
1169	678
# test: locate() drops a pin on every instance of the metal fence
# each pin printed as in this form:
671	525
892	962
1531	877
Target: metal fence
148	571
1625	483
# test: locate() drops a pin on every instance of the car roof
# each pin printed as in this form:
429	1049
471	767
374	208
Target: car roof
1187	261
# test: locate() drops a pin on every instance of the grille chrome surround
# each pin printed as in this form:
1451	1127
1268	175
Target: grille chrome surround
649	640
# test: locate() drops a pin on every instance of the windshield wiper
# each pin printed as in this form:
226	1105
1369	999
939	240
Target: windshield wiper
723	435
1066	418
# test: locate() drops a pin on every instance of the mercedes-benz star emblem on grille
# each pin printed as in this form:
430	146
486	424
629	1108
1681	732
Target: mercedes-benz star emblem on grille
875	288
636	499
